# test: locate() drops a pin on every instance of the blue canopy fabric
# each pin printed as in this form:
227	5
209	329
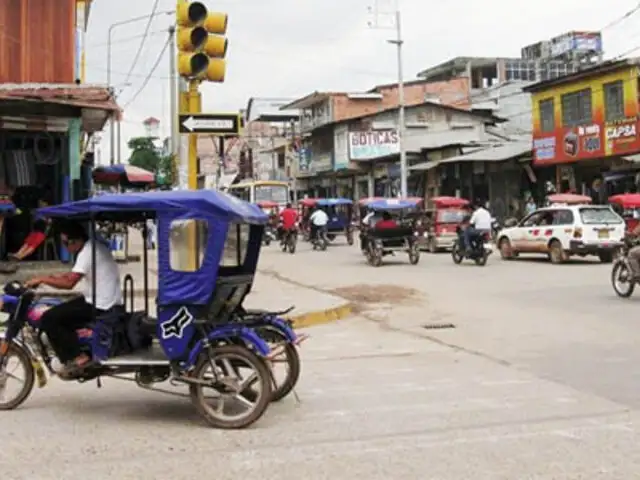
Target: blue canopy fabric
207	203
330	202
391	204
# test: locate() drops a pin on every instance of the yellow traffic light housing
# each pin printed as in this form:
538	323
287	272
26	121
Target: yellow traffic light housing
201	46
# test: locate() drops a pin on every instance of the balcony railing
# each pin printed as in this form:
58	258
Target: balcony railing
309	123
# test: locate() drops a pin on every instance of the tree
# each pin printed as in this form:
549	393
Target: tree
144	153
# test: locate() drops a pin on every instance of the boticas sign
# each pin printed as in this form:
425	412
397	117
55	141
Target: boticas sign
593	141
372	144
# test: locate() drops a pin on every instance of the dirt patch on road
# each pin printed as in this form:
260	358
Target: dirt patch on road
376	294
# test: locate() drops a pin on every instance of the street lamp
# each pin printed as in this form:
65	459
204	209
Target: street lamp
109	35
398	42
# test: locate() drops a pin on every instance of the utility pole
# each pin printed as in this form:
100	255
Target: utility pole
174	138
376	23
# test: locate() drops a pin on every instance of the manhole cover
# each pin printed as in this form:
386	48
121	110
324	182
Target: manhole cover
438	326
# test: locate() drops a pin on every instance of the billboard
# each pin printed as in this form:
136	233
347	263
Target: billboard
371	144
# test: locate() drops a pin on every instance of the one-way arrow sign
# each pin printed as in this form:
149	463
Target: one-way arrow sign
222	124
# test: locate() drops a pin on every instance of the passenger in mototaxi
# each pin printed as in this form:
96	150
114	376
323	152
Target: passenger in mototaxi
61	322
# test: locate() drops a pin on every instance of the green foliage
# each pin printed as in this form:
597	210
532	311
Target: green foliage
144	154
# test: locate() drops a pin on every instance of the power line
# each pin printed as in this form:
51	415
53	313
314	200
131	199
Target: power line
622	18
144	38
150	74
125	39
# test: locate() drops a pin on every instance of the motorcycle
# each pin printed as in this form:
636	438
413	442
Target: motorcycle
320	240
621	272
289	240
480	249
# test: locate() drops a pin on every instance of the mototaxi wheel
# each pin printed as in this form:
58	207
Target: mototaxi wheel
506	251
236	354
291	357
24	359
323	243
456	254
621	279
414	254
374	255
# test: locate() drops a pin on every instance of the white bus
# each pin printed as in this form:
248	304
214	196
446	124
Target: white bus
262	191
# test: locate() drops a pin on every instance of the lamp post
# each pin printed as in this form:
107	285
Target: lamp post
112	133
398	42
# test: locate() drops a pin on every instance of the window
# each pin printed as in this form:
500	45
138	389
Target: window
614	101
532	219
243	193
595	215
235	246
547	116
562	217
187	237
576	108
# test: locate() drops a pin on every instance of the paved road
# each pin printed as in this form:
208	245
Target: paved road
536	381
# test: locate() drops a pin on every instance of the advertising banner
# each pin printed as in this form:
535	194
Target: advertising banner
373	144
568	145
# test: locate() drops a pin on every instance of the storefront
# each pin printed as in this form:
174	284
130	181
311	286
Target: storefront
42	134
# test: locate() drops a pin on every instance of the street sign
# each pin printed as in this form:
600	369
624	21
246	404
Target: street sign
222	124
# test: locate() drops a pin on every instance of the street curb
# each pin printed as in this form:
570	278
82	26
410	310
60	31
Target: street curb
320	317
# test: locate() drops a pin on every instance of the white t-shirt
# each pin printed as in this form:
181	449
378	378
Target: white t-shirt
108	292
481	219
319	218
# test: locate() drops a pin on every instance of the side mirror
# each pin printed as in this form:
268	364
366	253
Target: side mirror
510	222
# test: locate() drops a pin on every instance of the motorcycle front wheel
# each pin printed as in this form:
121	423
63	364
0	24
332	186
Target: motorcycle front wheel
7	376
621	280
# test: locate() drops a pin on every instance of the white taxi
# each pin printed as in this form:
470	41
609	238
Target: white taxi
560	231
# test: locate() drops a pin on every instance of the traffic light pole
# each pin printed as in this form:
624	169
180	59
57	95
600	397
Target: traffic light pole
194	106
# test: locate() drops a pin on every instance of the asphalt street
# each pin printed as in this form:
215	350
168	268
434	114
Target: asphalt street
536	380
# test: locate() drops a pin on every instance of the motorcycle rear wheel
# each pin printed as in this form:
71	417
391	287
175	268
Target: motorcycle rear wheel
619	271
456	254
482	259
24	358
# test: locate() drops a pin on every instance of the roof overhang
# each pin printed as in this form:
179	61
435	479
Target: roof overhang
92	104
307	101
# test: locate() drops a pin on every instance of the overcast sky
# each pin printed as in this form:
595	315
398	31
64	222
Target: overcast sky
289	48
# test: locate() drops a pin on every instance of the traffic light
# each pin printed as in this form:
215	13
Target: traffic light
201	44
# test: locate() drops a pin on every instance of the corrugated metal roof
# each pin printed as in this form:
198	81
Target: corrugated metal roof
497	153
81	96
37	41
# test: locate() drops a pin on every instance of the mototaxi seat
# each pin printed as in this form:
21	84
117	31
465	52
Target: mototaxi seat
391	237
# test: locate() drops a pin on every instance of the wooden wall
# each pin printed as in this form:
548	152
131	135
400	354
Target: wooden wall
37	41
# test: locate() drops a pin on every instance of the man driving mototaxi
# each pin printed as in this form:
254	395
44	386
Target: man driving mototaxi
61	322
479	224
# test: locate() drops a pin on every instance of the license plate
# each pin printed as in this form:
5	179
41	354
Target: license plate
603	233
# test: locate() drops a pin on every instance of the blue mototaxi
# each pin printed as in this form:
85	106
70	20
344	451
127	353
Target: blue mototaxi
378	242
339	211
208	249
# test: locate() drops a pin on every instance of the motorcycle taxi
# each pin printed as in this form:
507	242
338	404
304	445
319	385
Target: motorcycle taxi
627	205
200	338
378	243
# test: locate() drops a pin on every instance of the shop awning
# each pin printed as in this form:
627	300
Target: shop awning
94	105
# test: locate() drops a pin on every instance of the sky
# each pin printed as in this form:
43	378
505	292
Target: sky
289	48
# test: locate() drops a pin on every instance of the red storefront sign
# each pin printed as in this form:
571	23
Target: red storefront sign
567	145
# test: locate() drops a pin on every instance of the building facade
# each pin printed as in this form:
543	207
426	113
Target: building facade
585	125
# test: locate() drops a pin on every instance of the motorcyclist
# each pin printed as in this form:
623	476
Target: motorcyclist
289	218
318	220
479	224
